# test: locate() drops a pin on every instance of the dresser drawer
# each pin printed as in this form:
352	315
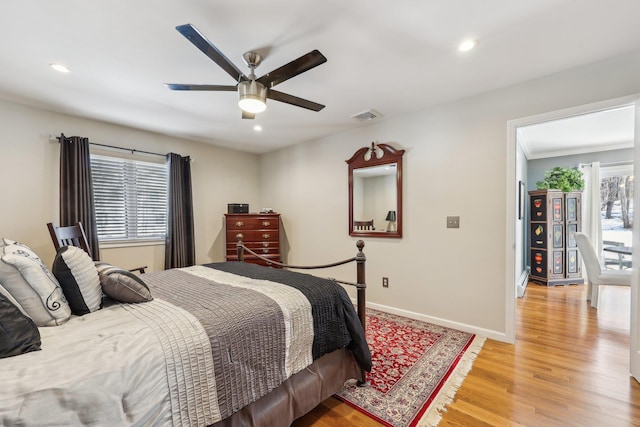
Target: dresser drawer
253	260
273	250
273	244
252	222
253	236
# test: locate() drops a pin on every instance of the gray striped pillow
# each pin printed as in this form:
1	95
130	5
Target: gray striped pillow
122	285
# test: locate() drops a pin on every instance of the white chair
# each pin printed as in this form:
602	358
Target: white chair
596	276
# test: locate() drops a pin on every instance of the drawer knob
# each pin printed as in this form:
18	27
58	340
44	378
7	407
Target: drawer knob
239	236
265	251
265	244
239	224
266	235
266	223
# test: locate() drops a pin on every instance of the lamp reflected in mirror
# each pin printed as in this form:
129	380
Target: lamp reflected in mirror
391	217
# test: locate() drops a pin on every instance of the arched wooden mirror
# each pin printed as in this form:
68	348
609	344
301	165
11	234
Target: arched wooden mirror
375	192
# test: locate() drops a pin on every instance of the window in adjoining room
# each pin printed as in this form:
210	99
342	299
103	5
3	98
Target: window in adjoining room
616	209
130	199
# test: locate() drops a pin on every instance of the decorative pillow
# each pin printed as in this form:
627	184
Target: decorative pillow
6	242
21	247
32	285
79	280
18	333
122	285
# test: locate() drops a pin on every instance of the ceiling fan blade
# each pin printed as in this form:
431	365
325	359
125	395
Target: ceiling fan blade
221	88
246	115
201	42
293	100
293	68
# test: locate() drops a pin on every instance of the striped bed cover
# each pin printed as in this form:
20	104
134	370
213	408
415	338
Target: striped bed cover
263	325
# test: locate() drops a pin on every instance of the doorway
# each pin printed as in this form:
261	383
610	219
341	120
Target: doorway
599	144
517	171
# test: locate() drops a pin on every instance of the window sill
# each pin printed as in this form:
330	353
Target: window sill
129	243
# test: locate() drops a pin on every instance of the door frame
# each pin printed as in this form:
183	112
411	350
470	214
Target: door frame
512	274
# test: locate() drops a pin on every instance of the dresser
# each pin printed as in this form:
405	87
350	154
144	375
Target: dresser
555	216
260	233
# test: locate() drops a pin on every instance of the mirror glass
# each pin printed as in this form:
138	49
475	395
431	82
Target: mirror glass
375	185
374	196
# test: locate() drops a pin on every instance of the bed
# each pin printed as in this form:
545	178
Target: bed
223	344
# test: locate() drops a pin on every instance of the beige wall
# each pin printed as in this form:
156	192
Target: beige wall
29	173
455	164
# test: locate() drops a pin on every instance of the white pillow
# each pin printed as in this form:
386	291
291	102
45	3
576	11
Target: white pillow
12	300
78	277
30	282
6	242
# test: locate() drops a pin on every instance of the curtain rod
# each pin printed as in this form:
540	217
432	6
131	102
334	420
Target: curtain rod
131	150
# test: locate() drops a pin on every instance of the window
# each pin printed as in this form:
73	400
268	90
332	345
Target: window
130	198
616	211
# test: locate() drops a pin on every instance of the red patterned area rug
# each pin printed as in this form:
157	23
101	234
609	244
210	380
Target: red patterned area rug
417	369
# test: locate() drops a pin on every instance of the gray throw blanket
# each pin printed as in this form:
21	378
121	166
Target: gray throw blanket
334	316
259	325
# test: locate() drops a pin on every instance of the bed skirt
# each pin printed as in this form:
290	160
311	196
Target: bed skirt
299	394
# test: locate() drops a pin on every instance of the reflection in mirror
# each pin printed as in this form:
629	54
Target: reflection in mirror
375	192
374	195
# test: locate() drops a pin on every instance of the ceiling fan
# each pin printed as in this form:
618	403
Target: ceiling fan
253	92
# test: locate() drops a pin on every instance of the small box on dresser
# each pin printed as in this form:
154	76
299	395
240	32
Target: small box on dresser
260	233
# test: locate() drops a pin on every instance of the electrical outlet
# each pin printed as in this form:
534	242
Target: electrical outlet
385	282
453	222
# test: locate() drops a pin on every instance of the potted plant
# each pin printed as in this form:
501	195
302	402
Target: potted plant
564	179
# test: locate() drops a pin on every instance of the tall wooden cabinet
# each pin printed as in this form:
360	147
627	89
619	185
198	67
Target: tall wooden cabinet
555	216
260	233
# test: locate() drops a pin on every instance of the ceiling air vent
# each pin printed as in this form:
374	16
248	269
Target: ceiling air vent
366	116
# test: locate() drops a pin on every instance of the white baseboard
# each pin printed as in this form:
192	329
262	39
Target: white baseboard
521	285
496	335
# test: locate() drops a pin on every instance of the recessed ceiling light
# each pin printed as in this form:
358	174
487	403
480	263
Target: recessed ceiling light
59	67
467	45
257	128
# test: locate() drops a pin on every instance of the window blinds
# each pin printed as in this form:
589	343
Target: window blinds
130	198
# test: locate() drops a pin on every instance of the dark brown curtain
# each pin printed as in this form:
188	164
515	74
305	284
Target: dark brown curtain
180	243
76	188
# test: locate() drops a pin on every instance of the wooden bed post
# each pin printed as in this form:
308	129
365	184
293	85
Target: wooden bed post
239	247
361	284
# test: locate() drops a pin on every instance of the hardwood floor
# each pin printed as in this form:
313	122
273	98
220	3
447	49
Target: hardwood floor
568	367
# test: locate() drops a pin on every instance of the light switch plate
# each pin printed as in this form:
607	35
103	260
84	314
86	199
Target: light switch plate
453	222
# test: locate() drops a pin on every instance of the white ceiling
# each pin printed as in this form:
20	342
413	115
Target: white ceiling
586	133
394	57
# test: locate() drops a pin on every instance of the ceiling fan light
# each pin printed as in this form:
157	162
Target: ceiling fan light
252	105
59	67
467	45
253	96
